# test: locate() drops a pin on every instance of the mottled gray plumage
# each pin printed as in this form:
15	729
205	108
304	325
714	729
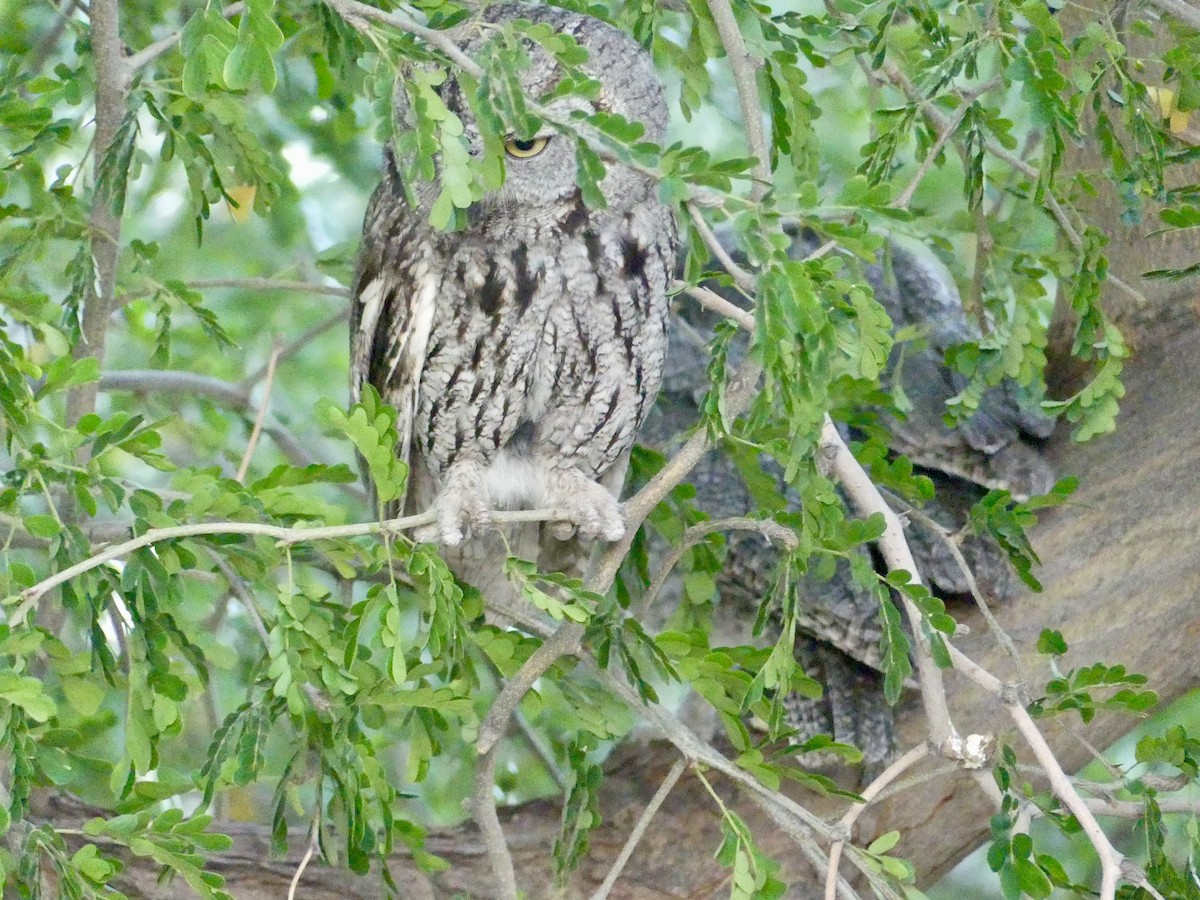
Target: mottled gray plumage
523	351
992	447
839	645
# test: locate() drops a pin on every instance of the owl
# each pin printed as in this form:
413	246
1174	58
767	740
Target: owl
838	619
522	351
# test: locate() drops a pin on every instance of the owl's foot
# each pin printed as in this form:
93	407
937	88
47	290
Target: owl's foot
461	507
591	511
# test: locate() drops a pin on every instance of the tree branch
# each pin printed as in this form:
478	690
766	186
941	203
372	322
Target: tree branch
1181	10
359	14
112	88
483	811
768	528
291	349
846	823
639	829
566	639
230	394
741	277
944	132
151	52
314	841
866	499
564	642
252	442
1111	861
746	81
283	534
714	302
941	122
271	284
1002	638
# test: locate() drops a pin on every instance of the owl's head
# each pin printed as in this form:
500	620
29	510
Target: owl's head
540	170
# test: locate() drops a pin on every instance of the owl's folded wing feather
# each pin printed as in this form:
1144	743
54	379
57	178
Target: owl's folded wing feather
391	319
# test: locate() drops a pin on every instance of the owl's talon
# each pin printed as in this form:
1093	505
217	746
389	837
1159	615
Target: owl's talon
562	531
456	512
479	518
426	534
591	512
461	508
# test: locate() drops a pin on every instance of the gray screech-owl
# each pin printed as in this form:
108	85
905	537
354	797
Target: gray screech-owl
523	351
838	642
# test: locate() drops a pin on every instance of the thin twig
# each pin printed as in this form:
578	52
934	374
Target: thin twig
314	841
244	466
741	277
934	527
768	528
714	302
940	121
846	823
639	830
286	536
564	642
1132	809
793	820
543	751
239	589
295	346
271	284
1111	861
151	52
171	381
49	41
358	14
945	131
984	244
746	82
230	394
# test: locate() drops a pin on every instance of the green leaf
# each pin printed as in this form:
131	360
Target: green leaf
525	576
884	843
1051	643
1032	879
27	693
84	696
897	668
42	526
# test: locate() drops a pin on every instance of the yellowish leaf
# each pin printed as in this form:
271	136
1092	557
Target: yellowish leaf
243	196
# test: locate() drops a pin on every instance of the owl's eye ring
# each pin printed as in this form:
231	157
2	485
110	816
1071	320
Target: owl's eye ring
519	149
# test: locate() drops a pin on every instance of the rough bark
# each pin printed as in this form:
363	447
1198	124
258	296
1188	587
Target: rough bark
1155	308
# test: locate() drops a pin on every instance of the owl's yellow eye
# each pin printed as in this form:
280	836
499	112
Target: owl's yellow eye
520	149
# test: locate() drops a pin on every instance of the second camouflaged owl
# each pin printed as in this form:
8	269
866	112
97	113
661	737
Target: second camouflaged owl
523	351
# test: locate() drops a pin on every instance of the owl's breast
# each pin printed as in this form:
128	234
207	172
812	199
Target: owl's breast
546	352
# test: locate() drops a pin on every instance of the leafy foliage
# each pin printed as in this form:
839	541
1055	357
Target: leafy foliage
241	659
1075	688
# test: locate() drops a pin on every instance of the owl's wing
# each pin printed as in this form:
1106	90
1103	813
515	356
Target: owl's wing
840	632
395	297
